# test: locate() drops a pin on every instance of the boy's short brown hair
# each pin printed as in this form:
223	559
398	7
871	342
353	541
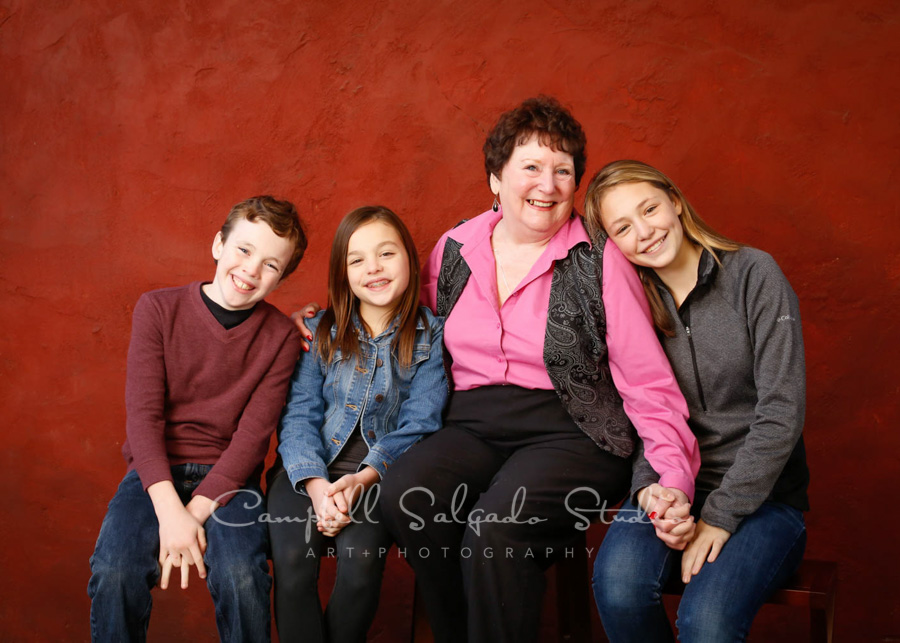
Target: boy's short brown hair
281	216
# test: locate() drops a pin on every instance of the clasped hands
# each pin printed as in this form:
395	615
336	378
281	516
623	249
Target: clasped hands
670	512
182	539
333	501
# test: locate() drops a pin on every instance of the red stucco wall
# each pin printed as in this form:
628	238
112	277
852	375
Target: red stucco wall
126	132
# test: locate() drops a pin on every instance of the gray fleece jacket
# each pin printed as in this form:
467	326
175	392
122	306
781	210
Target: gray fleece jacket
738	357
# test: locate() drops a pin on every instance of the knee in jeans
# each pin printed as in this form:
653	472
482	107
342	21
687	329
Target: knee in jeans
121	573
238	574
616	587
708	623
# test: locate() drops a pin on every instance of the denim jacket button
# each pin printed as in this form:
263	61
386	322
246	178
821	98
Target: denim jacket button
379	398
379	362
371	434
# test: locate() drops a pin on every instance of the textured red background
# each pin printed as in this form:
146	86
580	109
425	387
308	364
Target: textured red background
127	132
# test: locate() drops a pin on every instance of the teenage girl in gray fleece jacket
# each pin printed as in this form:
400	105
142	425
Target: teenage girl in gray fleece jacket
730	325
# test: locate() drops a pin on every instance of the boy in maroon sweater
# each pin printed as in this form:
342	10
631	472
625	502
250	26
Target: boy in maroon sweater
208	368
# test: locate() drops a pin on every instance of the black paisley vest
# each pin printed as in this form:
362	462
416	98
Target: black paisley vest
575	352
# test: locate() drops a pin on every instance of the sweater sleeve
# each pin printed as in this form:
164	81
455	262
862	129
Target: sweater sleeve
145	395
644	378
250	442
779	372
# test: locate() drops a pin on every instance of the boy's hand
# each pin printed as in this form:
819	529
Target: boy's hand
704	548
182	542
300	317
182	539
201	508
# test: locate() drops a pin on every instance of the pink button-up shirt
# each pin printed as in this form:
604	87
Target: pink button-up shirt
493	344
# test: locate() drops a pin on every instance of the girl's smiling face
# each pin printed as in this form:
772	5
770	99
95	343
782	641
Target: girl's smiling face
644	222
377	270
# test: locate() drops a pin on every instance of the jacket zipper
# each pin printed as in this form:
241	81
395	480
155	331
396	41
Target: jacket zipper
686	319
687	329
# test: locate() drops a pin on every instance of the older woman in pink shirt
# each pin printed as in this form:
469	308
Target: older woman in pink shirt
555	370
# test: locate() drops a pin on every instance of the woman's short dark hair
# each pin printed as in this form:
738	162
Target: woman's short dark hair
544	117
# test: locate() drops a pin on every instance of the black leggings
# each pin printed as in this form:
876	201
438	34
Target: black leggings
361	550
504	452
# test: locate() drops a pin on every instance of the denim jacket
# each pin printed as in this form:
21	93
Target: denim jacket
395	407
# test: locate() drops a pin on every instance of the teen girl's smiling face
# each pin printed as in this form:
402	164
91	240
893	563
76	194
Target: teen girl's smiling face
645	223
378	272
536	189
249	265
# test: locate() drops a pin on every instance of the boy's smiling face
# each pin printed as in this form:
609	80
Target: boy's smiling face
249	265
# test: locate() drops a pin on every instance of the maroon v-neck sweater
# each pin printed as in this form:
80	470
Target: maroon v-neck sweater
198	393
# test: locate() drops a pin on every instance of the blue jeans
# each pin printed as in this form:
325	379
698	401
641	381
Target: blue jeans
124	566
719	603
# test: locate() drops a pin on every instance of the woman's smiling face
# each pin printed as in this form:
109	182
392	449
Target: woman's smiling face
536	189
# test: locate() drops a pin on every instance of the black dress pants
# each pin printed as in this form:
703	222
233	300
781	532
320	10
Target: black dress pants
482	507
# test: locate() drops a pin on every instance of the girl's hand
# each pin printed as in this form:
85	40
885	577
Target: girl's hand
347	489
670	512
704	548
299	318
656	499
329	518
676	528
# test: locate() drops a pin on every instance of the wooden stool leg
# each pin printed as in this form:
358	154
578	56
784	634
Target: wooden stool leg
821	621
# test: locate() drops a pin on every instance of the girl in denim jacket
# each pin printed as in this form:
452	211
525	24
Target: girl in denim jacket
372	385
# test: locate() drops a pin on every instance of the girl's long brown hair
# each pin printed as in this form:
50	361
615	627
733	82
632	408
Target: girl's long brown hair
696	229
342	303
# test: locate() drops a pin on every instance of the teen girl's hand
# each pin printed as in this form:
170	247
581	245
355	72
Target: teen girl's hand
704	548
299	318
670	512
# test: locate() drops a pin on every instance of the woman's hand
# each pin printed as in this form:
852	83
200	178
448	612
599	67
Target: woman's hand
299	318
670	512
708	541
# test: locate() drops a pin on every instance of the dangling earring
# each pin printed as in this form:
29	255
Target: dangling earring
496	205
